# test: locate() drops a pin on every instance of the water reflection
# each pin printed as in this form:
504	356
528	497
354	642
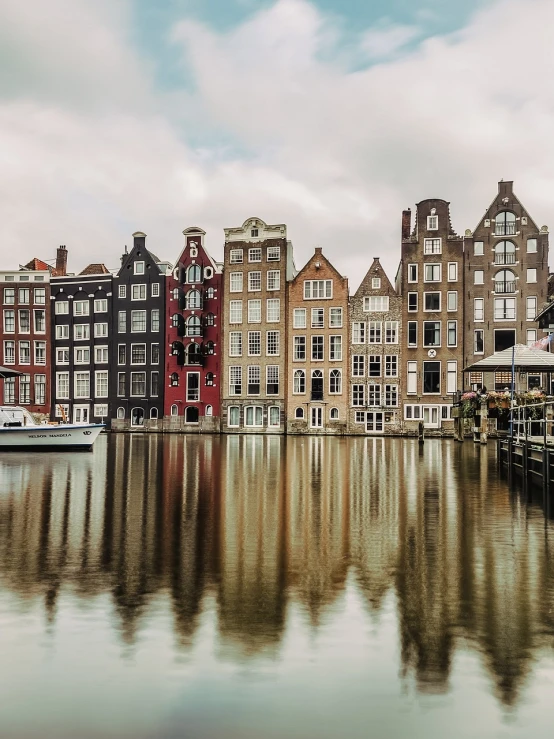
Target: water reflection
263	525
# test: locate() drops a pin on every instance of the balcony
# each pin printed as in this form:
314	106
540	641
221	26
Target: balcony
505	258
504	287
194	331
505	229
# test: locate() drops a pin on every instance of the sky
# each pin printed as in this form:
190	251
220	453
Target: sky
330	116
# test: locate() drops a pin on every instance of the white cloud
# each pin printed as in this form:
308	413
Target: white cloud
94	152
387	39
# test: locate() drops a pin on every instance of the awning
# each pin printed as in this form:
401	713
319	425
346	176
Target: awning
525	360
5	372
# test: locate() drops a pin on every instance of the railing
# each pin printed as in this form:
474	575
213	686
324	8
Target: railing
505	229
194	331
504	258
505	287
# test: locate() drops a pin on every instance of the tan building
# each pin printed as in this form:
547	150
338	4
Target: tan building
430	282
258	263
317	382
375	366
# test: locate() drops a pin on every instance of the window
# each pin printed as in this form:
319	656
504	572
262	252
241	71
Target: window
235	344
101	354
358	395
233	416
138	292
209	379
24	296
478	248
273	279
452	301
235	256
531	275
412	333
452	333
358	333
479	277
138	321
412	273
139	268
155	290
375	332
62	332
504	309
101	305
81	308
531	309
235	380
299	318
451	376
194	299
335	317
9	321
81	331
138	384
235	311
432	272
122	322
531	336
431	333
314	289
335	382
155	319
39	317
254	381
82	355
155	354
318	318
100	411
272	345
391	365
254	311
334	414
478	341
120	413
479	309
25	321
431	377
9	390
40	389
391	396
432	221
82	384
273	310
253	416
335	348
531	246
62	384
122	291
255	254
9	352
505	224
391	332
272	379
193	387
274	418
174	379
9	295
100	330
505	253
412	302
25	389
299	348
210	293
254	281
317	348
40	296
121	383
194	274
101	384
299	413
254	343
24	352
412	378
375	283
138	353
273	253
299	382
374	363
210	319
373	395
359	417
358	365
235	282
376	303
432	246
121	354
137	417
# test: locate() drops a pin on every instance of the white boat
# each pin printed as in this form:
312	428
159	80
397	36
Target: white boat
20	432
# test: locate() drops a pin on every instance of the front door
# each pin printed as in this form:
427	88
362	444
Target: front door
317	418
80	413
374	422
431	416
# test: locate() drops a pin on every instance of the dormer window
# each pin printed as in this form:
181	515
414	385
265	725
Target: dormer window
254	233
375	283
433	221
139	268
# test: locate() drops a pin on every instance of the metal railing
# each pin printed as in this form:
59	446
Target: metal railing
505	229
504	258
505	287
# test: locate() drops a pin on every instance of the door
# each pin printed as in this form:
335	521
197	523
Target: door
316	418
80	413
431	417
374	422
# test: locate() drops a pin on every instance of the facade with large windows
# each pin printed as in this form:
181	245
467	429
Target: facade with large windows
375	356
430	282
194	299
258	264
506	277
317	382
25	337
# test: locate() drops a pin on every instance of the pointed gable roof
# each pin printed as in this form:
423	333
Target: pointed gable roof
95	269
37	265
318	256
376	270
505	199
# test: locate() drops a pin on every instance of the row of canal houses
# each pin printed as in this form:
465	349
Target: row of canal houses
254	345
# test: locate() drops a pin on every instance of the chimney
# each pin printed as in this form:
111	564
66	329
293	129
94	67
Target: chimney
406	223
61	261
139	240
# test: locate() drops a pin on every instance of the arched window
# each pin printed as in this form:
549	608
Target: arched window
505	224
174	410
317	385
174	380
335	381
210	293
175	293
233	416
505	281
299	413
210	319
120	413
193	274
137	417
299	378
209	410
505	253
334	414
193	355
153	412
210	347
175	320
209	378
191	415
178	350
193	326
194	299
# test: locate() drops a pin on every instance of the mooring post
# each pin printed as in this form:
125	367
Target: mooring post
421	432
484	420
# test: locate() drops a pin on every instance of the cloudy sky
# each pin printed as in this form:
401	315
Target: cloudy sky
328	115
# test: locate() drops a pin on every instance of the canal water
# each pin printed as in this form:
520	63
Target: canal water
252	587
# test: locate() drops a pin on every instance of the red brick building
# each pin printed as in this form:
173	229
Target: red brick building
193	339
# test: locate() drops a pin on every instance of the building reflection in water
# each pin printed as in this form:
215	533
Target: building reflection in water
255	524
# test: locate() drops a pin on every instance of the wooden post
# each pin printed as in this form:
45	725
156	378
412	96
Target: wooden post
421	432
484	420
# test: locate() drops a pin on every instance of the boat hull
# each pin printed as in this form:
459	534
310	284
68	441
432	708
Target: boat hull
49	438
